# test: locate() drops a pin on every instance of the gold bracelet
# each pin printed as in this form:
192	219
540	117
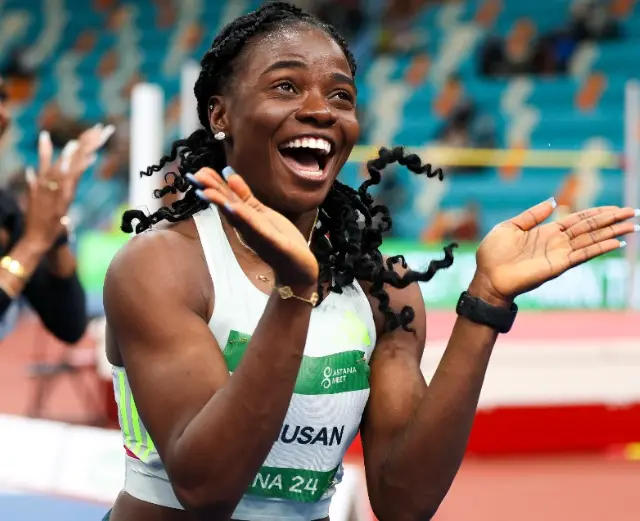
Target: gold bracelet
286	292
13	266
10	292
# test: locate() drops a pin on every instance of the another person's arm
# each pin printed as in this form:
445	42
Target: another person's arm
57	296
46	275
50	284
19	264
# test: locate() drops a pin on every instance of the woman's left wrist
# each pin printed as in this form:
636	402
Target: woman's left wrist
481	287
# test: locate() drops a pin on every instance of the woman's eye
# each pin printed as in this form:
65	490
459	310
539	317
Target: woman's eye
286	86
344	95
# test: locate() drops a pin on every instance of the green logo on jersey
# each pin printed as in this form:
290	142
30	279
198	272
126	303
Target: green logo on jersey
331	374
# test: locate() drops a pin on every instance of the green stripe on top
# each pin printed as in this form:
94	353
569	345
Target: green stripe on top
331	374
307	486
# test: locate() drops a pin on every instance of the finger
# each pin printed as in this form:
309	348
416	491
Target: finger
91	136
576	217
31	178
583	255
106	134
79	163
45	152
597	221
603	234
67	154
239	187
209	178
535	215
96	137
90	141
239	214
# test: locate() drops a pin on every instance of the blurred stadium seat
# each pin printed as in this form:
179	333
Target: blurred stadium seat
89	72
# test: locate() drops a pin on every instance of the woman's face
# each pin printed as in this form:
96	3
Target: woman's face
289	116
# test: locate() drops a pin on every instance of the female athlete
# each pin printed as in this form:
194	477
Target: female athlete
260	333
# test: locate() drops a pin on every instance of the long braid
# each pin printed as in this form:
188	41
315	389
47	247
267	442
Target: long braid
350	224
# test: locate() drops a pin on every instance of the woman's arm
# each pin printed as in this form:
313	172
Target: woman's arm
57	296
212	430
414	436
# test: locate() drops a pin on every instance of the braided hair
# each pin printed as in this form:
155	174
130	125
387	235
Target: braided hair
350	225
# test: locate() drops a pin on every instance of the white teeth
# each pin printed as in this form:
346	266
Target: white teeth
309	142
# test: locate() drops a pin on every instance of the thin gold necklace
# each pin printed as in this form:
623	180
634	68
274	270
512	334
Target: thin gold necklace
263	276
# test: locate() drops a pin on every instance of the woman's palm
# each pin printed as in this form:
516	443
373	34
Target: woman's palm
270	234
521	254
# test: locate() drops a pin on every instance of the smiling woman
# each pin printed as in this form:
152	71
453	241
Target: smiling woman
250	333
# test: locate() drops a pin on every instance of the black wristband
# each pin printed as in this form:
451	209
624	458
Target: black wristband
481	312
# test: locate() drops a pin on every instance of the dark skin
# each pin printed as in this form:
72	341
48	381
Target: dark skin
414	435
5	115
260	113
43	209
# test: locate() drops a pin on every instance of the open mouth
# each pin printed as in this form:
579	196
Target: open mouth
307	156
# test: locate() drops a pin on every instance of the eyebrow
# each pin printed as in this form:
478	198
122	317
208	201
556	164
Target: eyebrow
338	77
297	64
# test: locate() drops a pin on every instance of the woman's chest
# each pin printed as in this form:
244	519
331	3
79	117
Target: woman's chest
325	410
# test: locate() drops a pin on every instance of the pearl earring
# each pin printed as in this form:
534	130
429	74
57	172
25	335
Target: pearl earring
220	136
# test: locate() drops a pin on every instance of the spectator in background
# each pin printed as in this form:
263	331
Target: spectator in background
18	64
345	15
466	126
348	16
593	20
398	32
518	53
35	259
523	52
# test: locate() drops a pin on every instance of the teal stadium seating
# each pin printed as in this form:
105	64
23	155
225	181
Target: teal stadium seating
541	113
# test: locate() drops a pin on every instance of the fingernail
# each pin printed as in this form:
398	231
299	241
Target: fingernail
30	175
66	154
228	208
70	148
636	228
192	179
107	132
552	202
622	244
200	194
44	137
227	171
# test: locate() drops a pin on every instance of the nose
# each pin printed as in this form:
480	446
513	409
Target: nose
316	110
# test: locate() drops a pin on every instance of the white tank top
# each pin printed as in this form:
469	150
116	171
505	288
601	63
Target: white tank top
299	475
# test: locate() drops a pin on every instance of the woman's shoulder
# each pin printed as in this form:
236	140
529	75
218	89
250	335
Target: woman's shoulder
163	260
